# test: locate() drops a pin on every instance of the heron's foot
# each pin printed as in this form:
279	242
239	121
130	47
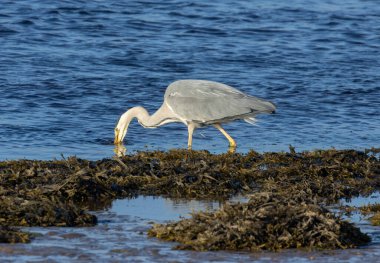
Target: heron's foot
189	146
120	150
232	148
232	143
229	138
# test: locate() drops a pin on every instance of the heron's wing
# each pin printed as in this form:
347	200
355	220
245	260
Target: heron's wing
208	102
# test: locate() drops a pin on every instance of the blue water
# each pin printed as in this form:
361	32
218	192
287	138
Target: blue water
69	69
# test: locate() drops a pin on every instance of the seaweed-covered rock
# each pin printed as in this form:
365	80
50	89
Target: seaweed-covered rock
42	212
59	192
330	174
268	221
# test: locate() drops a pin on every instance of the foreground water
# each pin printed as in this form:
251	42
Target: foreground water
70	68
121	236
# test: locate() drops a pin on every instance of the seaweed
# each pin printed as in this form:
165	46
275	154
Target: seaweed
61	192
269	221
374	211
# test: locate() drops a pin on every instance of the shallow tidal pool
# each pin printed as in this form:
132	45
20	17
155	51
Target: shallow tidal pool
120	235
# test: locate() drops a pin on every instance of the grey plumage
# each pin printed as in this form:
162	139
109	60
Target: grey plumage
207	102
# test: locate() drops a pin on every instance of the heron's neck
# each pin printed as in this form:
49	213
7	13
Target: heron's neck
142	115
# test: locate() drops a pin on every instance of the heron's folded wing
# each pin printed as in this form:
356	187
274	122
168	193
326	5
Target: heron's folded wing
207	102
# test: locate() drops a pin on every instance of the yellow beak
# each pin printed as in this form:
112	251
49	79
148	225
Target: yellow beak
117	134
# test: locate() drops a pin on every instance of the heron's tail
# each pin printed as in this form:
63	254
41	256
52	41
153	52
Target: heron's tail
262	106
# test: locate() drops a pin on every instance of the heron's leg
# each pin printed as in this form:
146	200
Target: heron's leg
190	129
229	138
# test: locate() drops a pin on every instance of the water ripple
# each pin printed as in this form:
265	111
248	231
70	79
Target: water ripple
70	68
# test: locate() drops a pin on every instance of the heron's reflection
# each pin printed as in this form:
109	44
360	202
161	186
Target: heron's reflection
120	150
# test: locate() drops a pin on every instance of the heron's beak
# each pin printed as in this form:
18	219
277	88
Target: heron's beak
120	132
122	127
117	136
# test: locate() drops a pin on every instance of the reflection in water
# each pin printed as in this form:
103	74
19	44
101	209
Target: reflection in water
162	209
372	199
120	150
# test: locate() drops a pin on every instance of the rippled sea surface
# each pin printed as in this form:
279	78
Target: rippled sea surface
69	69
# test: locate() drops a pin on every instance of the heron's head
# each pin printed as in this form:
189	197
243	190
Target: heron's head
120	134
122	128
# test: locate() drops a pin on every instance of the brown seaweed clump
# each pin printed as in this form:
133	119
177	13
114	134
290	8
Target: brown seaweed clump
268	221
43	212
374	211
375	219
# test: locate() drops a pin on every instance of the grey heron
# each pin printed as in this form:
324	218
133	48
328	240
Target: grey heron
197	103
